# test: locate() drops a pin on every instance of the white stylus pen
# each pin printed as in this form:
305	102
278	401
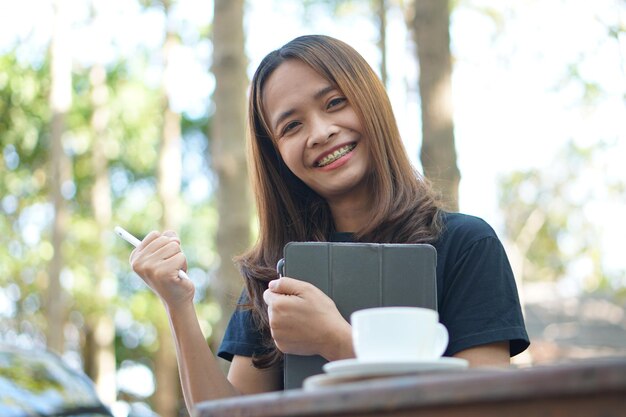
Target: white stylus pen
135	242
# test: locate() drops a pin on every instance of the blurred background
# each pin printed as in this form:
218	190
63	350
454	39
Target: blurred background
132	113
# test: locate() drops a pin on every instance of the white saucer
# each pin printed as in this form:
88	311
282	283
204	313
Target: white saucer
355	368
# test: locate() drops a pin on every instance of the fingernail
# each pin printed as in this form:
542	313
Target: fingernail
272	284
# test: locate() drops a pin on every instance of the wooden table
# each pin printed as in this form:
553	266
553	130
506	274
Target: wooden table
579	389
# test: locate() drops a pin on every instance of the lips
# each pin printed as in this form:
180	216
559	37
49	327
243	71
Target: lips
335	155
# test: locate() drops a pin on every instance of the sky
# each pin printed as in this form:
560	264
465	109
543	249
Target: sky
514	108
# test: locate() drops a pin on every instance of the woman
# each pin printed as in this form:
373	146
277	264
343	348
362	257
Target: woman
327	163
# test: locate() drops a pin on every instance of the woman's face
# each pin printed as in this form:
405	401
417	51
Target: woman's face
318	133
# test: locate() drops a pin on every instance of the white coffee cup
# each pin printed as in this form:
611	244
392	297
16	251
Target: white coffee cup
392	334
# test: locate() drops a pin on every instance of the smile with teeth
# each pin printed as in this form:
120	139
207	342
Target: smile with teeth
332	157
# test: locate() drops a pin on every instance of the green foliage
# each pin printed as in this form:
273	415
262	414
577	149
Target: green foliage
24	114
549	217
131	148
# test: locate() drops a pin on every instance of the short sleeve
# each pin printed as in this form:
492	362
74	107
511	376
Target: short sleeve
241	336
480	304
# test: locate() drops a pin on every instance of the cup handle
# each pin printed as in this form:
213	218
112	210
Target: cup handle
442	340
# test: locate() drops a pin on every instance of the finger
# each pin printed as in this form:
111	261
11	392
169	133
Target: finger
287	286
148	245
168	250
174	264
171	233
166	269
156	244
268	297
158	251
273	300
150	237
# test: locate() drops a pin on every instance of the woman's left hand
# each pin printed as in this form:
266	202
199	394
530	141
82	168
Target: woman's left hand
305	321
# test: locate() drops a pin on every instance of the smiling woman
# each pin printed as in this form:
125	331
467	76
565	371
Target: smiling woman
327	157
328	164
318	134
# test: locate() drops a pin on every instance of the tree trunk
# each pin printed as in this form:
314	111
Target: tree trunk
60	101
168	395
101	329
381	15
228	152
429	22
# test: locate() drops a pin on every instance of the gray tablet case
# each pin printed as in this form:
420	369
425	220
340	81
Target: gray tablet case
358	276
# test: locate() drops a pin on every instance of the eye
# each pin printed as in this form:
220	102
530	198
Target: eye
289	127
336	102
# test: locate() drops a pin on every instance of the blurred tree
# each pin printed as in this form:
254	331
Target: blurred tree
111	146
60	176
549	223
24	207
100	330
131	143
167	397
228	153
429	22
381	16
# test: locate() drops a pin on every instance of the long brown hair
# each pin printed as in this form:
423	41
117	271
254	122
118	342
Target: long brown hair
405	210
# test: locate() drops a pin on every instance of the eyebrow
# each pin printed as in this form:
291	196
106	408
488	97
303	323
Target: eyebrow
319	94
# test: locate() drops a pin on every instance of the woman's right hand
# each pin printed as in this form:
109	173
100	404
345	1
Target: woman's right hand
157	261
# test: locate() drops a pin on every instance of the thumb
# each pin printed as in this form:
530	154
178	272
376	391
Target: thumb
287	286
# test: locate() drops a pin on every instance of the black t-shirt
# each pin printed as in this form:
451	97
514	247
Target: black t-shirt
476	293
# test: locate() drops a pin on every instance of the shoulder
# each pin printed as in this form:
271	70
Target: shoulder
465	229
464	236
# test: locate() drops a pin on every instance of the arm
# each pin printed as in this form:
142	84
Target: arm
251	380
493	354
157	261
200	375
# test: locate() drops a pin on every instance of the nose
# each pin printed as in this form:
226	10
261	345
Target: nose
322	129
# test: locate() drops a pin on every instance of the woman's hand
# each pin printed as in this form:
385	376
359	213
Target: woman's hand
157	261
305	321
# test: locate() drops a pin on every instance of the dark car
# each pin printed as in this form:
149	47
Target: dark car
38	383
